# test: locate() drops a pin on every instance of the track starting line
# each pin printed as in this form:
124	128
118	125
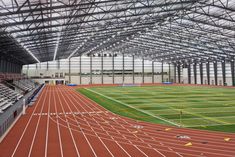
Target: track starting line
69	113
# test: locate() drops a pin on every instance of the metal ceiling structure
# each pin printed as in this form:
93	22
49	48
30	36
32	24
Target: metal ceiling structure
12	51
163	30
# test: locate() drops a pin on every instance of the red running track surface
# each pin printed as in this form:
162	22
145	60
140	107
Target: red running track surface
64	123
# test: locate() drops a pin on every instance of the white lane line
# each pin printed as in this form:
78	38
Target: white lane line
89	123
147	144
75	94
48	115
92	149
148	136
128	124
110	125
159	152
36	130
177	153
122	148
144	146
70	131
26	127
140	151
138	137
58	127
151	128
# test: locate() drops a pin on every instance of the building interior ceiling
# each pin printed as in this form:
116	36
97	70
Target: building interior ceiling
172	31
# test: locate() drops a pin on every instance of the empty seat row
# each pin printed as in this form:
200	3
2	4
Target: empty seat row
26	85
7	97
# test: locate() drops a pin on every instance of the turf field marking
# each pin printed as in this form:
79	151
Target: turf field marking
134	108
191	113
169	107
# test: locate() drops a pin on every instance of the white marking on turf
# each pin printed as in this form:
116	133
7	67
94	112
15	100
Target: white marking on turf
133	107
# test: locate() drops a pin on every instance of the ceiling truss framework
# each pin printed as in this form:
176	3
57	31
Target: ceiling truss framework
174	31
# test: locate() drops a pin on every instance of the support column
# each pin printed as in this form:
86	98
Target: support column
174	73
27	70
143	70
133	69
12	67
189	74
7	67
178	70
195	72
162	72
58	64
201	72
80	69
153	72
113	67
102	69
232	73
208	72
0	64
69	70
90	68
123	68
36	70
47	66
169	72
216	73
223	72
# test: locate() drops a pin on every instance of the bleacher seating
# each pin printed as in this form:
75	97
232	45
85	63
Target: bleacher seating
26	84
10	76
7	97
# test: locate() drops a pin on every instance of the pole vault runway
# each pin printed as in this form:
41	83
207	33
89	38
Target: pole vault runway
64	123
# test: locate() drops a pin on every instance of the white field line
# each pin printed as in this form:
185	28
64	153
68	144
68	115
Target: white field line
195	114
133	107
139	138
225	117
126	143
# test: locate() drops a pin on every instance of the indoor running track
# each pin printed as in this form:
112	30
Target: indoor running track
64	123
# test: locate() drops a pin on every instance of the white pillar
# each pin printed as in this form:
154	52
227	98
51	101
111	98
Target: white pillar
24	103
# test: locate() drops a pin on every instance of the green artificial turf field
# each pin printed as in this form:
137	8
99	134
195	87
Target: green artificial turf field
186	106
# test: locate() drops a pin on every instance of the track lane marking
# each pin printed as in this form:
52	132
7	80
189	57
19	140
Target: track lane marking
48	118
36	105
36	130
58	127
70	131
81	130
177	153
119	124
90	125
80	98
